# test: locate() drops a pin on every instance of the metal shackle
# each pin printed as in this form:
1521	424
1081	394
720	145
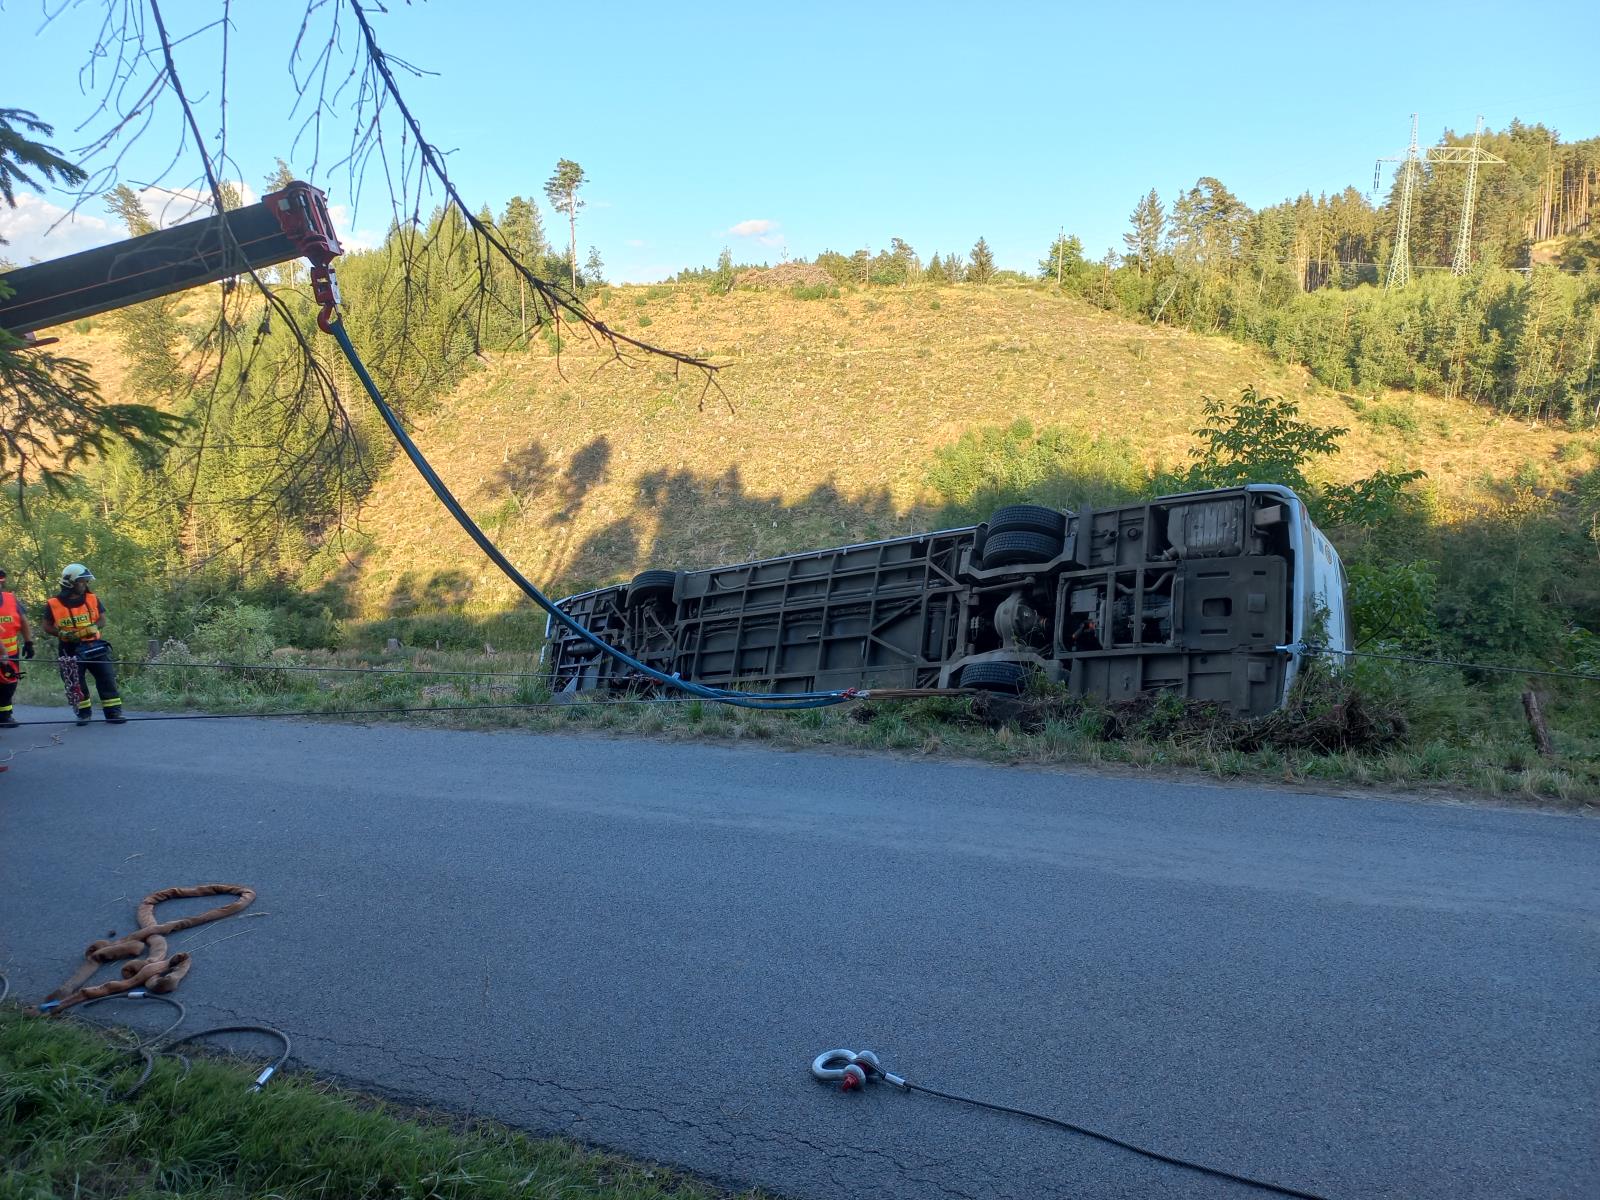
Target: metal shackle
850	1070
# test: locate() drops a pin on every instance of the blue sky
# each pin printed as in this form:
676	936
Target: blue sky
773	130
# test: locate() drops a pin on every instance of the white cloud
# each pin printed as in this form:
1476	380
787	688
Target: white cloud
40	229
636	243
771	239
36	230
174	206
753	228
350	237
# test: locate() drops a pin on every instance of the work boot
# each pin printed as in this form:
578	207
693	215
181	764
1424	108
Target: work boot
7	721
83	716
115	717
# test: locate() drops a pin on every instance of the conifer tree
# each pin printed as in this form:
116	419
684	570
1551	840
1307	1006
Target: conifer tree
148	331
981	267
1208	223
280	177
524	234
18	150
562	189
1149	221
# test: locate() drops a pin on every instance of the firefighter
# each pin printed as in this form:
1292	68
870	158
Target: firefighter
16	643
74	615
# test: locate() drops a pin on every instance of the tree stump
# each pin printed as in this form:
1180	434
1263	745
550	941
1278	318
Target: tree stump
1541	731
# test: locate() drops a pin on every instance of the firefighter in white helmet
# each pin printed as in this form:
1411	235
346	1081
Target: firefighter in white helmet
75	617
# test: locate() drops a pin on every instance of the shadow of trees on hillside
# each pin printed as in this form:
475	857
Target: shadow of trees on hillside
531	476
684	520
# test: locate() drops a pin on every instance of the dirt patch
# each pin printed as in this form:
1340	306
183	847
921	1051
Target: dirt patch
785	275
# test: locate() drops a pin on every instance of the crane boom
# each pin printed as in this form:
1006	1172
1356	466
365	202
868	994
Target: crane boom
287	224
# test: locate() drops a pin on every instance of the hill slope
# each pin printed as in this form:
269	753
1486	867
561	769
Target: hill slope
832	411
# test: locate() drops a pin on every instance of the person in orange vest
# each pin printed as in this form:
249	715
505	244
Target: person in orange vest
16	643
75	616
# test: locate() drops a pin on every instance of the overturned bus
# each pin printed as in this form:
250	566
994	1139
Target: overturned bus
1209	594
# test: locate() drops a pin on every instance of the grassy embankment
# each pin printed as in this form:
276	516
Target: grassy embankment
1460	738
206	1137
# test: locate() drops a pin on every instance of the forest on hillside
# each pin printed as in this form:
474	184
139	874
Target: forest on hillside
1519	330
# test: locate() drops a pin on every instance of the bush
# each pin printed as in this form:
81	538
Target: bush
239	633
1391	416
814	291
1062	468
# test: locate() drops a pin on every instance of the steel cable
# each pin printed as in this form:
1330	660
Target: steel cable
1156	1155
453	506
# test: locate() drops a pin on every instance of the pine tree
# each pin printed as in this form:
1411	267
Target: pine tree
562	190
280	177
1065	262
1149	221
50	407
524	236
903	260
722	281
17	151
124	203
934	272
147	331
594	268
1208	223
981	267
524	232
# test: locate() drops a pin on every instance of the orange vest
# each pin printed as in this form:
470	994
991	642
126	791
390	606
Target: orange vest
10	624
72	623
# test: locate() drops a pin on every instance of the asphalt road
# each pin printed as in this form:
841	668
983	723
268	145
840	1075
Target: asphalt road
643	945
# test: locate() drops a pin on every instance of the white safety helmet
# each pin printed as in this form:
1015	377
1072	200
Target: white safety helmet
72	572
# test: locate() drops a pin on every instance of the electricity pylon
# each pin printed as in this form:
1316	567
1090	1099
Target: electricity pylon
1472	157
1400	257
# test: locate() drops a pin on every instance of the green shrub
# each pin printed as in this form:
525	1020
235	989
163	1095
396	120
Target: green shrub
1391	416
238	633
1063	468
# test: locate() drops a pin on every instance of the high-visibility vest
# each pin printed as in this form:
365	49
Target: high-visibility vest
73	622
10	624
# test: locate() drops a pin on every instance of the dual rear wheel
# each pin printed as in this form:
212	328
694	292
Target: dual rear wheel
1023	533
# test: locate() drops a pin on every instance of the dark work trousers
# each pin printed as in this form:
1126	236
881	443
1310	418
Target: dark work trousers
76	670
8	692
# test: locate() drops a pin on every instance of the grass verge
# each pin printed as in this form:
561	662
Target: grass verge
1391	726
206	1137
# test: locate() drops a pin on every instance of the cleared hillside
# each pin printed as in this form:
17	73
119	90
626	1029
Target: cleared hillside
830	414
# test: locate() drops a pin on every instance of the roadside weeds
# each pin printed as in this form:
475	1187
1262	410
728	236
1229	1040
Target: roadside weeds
207	1137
